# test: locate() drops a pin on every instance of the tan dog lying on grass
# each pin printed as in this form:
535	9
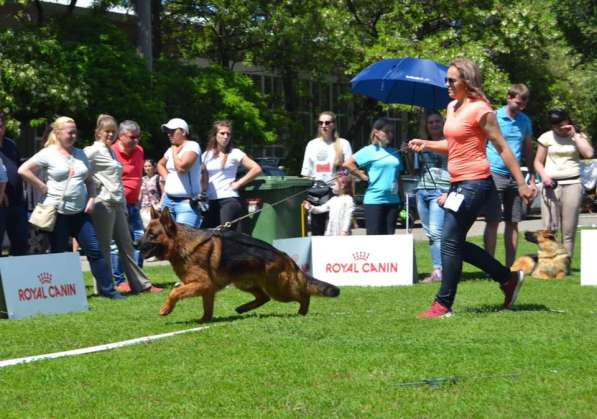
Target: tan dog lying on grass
552	260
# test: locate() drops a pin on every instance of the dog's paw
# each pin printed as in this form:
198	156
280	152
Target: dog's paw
165	310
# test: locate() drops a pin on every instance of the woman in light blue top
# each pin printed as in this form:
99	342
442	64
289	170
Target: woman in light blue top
383	165
433	180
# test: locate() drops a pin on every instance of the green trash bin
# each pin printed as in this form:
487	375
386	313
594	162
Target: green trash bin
274	222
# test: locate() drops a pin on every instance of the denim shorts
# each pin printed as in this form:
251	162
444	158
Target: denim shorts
182	212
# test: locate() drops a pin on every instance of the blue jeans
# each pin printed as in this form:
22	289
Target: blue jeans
432	218
13	221
137	231
81	228
454	247
182	212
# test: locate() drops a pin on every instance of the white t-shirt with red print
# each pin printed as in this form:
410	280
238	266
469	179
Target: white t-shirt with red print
320	156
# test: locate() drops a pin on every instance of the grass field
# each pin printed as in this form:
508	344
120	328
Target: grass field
363	354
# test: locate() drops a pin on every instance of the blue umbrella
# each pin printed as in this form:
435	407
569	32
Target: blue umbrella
411	81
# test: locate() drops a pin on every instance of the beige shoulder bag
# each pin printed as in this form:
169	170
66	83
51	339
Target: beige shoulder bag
44	216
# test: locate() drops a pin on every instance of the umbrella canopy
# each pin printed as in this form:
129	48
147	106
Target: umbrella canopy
411	81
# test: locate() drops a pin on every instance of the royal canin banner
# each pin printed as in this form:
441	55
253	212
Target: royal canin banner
41	284
363	260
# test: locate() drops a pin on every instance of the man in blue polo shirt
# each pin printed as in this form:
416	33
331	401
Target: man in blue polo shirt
517	129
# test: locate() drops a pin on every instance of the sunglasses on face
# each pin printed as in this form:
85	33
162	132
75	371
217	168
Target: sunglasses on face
450	81
325	122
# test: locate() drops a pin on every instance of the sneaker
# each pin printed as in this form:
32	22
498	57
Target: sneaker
124	288
153	289
511	288
437	309
436	276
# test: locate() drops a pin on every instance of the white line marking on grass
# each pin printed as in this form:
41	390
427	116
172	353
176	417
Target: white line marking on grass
98	348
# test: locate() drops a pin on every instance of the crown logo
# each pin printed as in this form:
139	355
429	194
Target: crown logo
44	278
360	255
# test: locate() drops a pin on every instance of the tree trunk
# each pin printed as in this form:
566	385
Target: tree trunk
143	9
156	27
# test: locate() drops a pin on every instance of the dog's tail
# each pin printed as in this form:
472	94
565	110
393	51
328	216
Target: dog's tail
525	264
317	287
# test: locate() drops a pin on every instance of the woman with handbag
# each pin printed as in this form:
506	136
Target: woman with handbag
69	198
324	156
110	216
220	167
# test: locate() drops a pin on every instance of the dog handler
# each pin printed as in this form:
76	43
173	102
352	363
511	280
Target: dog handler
470	121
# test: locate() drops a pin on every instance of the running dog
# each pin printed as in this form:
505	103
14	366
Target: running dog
208	260
552	260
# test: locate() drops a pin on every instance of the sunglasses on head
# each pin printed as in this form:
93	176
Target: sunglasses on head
325	122
450	80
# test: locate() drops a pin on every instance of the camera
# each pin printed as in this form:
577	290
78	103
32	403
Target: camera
554	184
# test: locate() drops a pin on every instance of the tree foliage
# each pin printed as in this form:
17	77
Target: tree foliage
204	95
79	65
36	80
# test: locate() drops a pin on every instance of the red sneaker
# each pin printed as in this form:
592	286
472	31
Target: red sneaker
511	288
436	310
124	288
153	289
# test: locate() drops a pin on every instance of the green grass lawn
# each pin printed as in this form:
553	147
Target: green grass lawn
362	354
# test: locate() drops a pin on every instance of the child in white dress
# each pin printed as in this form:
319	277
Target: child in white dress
340	208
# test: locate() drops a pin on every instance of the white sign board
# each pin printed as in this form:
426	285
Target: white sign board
299	249
588	261
363	260
41	284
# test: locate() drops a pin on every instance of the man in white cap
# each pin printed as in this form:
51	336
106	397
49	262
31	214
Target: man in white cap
181	167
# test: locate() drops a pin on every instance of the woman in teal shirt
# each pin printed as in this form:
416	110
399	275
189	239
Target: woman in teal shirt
383	167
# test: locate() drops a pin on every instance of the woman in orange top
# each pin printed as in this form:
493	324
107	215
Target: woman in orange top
470	121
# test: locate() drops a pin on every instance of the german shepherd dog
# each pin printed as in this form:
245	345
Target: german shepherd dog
552	260
208	260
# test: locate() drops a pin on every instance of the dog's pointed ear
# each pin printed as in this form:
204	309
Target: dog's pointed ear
153	213
167	222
